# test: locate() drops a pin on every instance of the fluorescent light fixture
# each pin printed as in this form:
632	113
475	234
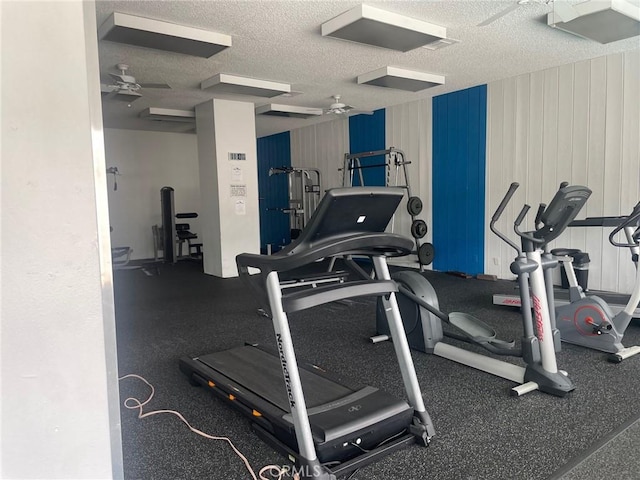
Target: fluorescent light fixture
401	79
144	32
374	26
288	111
442	43
168	115
224	83
604	21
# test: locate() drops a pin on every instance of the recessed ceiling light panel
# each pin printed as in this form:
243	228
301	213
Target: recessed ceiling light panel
604	21
374	26
144	32
440	44
288	111
234	84
401	79
168	115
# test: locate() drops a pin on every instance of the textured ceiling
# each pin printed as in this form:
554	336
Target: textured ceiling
281	41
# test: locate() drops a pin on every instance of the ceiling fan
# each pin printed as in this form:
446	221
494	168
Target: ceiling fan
125	87
340	108
563	9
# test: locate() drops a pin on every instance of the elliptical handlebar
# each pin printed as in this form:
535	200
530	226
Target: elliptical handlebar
496	215
523	213
633	218
503	204
538	220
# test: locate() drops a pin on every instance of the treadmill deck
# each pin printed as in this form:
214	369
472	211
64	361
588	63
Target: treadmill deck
344	418
261	372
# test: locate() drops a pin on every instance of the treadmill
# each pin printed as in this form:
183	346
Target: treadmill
336	426
616	301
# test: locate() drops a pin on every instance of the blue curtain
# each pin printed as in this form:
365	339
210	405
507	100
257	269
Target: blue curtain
273	191
458	177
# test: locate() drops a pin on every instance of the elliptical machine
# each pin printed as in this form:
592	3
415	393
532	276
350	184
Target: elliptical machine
588	320
422	318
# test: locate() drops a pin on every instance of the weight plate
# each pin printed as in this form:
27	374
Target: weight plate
419	228
426	253
414	206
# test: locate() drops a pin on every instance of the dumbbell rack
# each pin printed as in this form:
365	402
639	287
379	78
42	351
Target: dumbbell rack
394	157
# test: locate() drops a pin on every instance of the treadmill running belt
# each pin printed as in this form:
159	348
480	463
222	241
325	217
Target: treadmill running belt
261	373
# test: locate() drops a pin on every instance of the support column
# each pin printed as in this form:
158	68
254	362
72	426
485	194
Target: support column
228	162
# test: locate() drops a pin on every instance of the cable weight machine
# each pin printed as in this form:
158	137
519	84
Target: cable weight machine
305	192
394	164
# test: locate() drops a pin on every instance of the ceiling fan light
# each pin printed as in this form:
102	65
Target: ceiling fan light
123	95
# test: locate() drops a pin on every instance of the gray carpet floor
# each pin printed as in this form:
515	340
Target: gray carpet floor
482	432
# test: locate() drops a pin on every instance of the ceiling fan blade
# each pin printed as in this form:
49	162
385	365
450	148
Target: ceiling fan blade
155	85
117	77
565	11
108	91
359	112
123	78
339	110
498	15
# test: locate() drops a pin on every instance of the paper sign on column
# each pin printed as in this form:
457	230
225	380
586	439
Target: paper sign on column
236	174
238	190
241	207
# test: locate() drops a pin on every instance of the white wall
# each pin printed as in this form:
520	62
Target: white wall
58	369
322	146
579	123
408	127
147	162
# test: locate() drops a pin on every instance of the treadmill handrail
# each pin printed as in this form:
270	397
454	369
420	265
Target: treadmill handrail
366	244
302	300
629	221
369	244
